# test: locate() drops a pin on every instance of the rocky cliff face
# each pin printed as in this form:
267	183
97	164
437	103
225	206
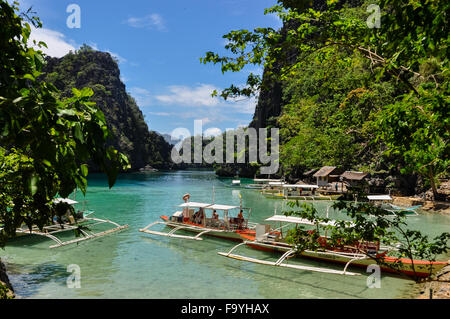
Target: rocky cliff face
100	72
270	101
6	290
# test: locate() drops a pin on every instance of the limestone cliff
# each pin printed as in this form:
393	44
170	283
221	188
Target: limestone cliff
6	290
99	71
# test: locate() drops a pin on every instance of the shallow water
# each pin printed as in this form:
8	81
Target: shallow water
130	264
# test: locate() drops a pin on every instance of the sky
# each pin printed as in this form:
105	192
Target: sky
159	45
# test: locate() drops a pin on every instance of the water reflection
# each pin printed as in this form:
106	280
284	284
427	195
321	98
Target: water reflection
130	264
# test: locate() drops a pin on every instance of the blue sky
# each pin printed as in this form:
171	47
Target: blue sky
158	44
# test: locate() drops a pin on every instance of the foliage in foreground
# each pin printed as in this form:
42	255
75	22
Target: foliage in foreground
99	71
45	141
353	93
367	223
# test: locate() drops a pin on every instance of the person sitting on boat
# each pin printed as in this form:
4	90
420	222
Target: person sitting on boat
240	219
198	216
195	216
215	219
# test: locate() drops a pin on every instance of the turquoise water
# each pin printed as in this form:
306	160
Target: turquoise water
130	264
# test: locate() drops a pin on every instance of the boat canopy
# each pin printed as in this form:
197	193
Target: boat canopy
298	220
65	200
266	180
221	207
379	197
300	186
208	206
194	205
276	183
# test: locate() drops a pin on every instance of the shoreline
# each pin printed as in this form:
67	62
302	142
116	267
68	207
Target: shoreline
6	289
435	289
427	205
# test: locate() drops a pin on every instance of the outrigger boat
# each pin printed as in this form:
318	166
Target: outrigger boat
361	254
206	221
273	189
296	192
68	223
262	183
236	182
385	202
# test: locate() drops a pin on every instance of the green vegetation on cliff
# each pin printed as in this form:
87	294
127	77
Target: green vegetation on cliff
100	72
46	140
348	93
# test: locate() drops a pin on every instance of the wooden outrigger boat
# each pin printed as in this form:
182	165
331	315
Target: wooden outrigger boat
385	202
361	254
330	197
236	182
206	221
272	188
296	192
68	223
262	183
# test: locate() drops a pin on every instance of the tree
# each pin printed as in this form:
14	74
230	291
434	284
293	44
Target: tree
417	128
367	223
45	141
410	48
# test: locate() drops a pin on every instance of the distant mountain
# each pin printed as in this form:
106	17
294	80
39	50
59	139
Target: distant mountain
99	71
168	139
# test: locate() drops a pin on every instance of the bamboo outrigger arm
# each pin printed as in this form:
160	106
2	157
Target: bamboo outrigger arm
90	236
177	228
49	231
352	260
279	262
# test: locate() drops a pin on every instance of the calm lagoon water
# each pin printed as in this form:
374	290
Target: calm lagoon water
130	264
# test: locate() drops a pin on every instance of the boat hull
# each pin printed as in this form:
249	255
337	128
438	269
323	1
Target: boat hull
250	186
306	197
235	235
421	269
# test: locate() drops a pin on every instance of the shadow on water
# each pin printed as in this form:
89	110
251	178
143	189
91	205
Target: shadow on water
343	281
199	252
28	279
181	246
30	240
291	280
134	263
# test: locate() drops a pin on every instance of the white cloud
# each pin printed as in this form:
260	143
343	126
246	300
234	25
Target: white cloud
188	96
151	21
142	96
244	105
194	102
160	113
56	42
205	120
213	131
198	96
119	58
